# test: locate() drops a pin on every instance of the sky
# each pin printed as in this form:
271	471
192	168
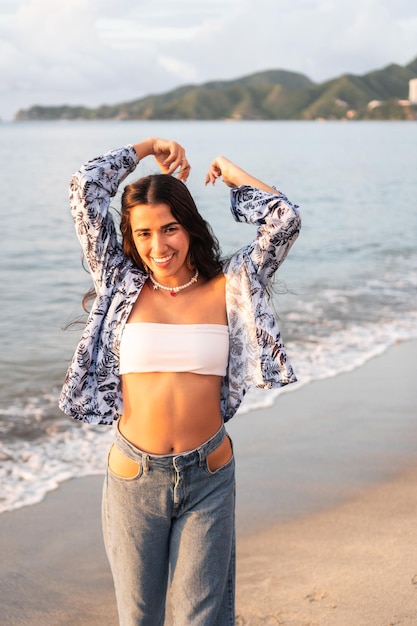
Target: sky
96	52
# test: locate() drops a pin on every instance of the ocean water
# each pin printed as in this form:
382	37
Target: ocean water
347	291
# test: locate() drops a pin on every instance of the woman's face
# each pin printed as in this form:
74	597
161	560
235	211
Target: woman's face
161	242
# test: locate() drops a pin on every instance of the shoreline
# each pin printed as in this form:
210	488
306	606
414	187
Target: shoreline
327	493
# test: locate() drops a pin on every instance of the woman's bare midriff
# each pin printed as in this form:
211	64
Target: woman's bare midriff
170	412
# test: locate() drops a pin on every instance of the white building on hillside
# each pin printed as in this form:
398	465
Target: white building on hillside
412	93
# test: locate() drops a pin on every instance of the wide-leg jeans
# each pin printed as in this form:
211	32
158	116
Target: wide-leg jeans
174	522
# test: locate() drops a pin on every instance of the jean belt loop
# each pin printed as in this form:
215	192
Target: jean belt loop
145	463
202	457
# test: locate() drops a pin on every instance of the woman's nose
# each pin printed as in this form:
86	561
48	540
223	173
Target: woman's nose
158	244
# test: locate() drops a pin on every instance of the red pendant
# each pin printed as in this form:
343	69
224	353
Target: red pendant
173	294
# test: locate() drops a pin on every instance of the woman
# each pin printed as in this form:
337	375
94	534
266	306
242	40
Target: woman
173	341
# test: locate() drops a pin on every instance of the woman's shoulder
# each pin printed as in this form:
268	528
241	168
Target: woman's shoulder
215	284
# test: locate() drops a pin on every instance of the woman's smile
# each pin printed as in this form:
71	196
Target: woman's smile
164	259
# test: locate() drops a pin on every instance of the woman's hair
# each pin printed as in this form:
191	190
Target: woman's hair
204	249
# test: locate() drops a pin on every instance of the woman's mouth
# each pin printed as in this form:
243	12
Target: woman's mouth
162	259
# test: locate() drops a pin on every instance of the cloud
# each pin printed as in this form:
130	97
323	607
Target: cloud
319	37
185	72
96	51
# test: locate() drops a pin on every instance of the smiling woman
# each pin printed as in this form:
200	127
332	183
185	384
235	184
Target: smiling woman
158	211
172	371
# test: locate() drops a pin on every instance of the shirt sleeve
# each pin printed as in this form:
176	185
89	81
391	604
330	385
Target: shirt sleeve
91	190
278	225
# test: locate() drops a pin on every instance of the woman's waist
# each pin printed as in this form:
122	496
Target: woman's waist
169	434
210	446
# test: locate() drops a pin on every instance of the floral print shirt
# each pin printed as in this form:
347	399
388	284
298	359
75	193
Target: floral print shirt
92	387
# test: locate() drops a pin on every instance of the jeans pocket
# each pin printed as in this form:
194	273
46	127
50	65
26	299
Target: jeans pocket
121	466
220	458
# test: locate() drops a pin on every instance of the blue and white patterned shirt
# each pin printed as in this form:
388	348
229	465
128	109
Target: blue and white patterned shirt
92	387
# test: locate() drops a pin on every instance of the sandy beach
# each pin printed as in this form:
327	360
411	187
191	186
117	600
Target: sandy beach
327	501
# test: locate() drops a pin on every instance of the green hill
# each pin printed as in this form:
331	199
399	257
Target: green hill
268	95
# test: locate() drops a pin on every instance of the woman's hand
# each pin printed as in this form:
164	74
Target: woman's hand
222	167
169	155
233	175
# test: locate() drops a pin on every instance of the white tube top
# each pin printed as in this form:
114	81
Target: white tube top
195	348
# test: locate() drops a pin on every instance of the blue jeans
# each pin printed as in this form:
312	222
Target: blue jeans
175	520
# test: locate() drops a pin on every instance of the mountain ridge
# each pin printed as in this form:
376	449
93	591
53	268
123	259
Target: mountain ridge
266	95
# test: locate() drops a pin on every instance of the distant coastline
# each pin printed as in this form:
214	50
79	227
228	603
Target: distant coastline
385	94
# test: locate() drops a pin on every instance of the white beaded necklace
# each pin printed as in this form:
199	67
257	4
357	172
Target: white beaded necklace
174	290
